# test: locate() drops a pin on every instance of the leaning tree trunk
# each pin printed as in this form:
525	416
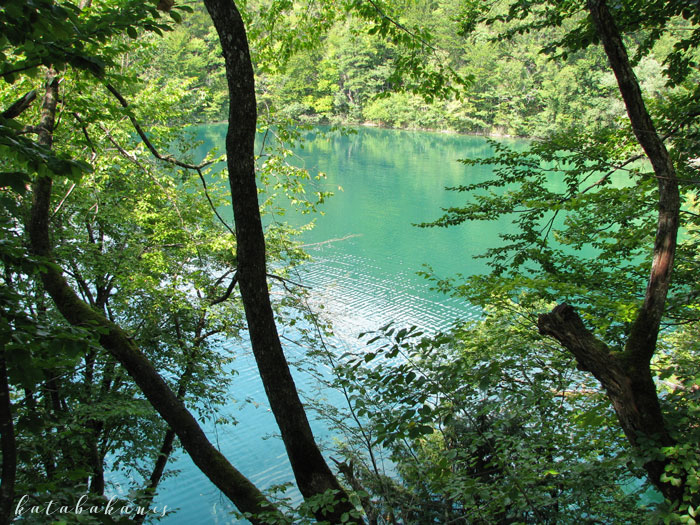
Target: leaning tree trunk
626	376
115	340
311	471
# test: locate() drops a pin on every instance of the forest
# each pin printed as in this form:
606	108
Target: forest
134	272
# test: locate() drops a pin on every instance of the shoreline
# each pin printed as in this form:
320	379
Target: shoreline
372	124
446	131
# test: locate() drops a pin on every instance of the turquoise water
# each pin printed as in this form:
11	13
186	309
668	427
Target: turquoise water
366	253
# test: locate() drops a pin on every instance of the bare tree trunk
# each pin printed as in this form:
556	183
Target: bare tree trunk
311	471
626	376
207	458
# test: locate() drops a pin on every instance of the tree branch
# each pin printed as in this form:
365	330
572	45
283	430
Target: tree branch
645	330
629	386
228	291
167	158
197	168
284	282
399	26
20	69
18	107
211	204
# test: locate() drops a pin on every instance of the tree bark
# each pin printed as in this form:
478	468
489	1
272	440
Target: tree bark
8	446
626	376
207	458
311	471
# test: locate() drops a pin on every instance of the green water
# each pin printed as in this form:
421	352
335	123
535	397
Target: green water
384	181
391	180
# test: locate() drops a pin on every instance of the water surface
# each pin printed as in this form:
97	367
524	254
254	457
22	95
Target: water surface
366	255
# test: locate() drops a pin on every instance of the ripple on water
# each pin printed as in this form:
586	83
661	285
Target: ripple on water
358	295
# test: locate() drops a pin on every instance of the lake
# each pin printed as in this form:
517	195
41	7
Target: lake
366	255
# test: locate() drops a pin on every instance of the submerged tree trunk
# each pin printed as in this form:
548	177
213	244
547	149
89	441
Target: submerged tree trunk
311	471
207	458
627	376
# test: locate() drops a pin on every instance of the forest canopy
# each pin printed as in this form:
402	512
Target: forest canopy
126	263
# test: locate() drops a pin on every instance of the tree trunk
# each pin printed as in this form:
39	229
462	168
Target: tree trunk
166	447
7	445
627	376
645	331
311	471
629	386
207	458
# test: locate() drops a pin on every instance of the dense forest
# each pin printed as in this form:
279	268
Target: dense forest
127	263
350	75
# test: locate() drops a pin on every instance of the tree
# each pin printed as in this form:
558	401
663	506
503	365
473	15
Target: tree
313	475
68	46
94	310
488	423
627	378
620	350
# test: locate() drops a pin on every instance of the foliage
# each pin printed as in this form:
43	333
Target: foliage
141	241
401	64
489	423
586	204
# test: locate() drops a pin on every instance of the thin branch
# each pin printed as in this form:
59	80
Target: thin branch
136	161
211	204
121	149
284	282
223	276
228	291
168	158
264	140
81	282
400	26
85	134
20	69
58	207
206	335
610	173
